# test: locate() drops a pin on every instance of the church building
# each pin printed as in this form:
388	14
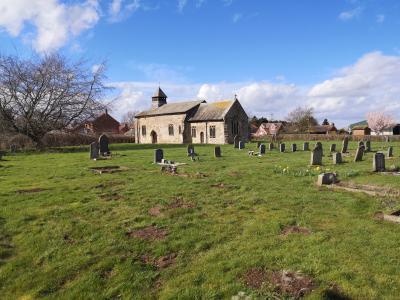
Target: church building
193	122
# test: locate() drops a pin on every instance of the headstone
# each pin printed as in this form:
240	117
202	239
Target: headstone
306	146
359	154
316	156
345	144
262	149
337	158
333	148
319	146
94	150
327	178
378	164
103	145
236	142
294	147
13	148
390	151
282	147
2	153
190	150
271	146
258	144
361	144
217	151
158	155
368	146
241	145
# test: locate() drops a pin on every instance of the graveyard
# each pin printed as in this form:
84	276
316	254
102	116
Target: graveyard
224	224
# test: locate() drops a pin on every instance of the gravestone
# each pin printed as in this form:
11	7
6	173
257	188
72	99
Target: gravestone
390	151
327	178
378	163
13	148
282	147
2	153
158	155
241	145
359	154
103	145
258	144
294	147
236	141
316	156
345	144
262	149
333	148
306	146
337	158
361	144
271	146
94	150
217	151
368	146
190	150
319	146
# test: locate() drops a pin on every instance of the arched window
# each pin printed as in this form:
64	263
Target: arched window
171	129
235	127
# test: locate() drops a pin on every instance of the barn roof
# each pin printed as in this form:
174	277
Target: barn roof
170	109
214	111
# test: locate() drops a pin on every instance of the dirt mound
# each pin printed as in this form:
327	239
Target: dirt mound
161	262
179	203
295	229
334	293
255	278
29	191
155	211
291	283
150	233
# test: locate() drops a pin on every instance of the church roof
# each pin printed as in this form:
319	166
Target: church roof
214	111
170	109
159	94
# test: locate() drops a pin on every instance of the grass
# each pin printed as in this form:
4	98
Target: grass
70	241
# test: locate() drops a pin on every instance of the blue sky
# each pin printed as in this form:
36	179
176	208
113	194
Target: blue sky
340	57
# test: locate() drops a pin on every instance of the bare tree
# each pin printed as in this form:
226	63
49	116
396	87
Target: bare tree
301	119
47	93
378	121
129	118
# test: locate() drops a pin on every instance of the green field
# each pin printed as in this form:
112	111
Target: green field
67	233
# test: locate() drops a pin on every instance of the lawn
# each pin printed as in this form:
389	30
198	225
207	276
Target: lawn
213	231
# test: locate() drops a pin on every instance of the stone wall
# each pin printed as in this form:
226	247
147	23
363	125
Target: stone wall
204	127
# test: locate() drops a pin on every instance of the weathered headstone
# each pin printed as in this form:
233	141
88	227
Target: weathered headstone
361	144
103	145
378	164
190	150
13	148
282	147
217	151
368	146
319	146
241	145
316	156
390	151
333	148
262	149
345	144
294	147
359	154
236	141
158	155
94	150
306	146
337	158
327	178
271	146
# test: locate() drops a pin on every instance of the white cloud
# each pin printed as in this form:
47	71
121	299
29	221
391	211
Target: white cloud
350	14
380	18
181	5
54	23
121	9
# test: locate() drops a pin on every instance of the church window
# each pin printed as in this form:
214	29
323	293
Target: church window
194	131
143	130
171	129
212	132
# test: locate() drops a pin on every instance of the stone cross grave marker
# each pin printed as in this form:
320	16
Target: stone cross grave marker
103	144
271	146
282	147
262	149
236	141
378	163
390	151
333	148
241	145
217	151
316	156
294	147
306	146
158	155
345	144
94	150
359	154
337	158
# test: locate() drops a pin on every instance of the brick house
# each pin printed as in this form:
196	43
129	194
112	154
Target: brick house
268	129
104	123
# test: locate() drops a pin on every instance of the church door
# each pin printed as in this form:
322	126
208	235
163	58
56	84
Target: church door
153	137
201	137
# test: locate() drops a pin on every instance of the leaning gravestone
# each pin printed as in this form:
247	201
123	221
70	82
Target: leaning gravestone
190	150
368	146
316	156
241	145
337	158
345	144
262	149
217	151
271	146
236	141
359	154
306	146
103	144
333	148
158	155
390	151
378	164
282	147
327	178
294	147
94	150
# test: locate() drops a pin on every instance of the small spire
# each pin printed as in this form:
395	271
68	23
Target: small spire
106	111
236	97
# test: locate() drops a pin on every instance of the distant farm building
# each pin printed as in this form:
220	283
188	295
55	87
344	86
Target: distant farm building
323	129
104	123
268	129
360	128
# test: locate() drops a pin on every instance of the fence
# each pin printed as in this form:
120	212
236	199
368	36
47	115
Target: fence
323	137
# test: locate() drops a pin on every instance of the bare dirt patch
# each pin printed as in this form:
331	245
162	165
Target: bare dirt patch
255	278
291	283
295	229
29	191
179	203
108	169
367	189
150	233
155	211
161	262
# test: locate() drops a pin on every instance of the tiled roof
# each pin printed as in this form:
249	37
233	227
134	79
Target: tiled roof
170	108
214	111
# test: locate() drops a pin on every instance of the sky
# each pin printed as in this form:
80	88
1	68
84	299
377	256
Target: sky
340	57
